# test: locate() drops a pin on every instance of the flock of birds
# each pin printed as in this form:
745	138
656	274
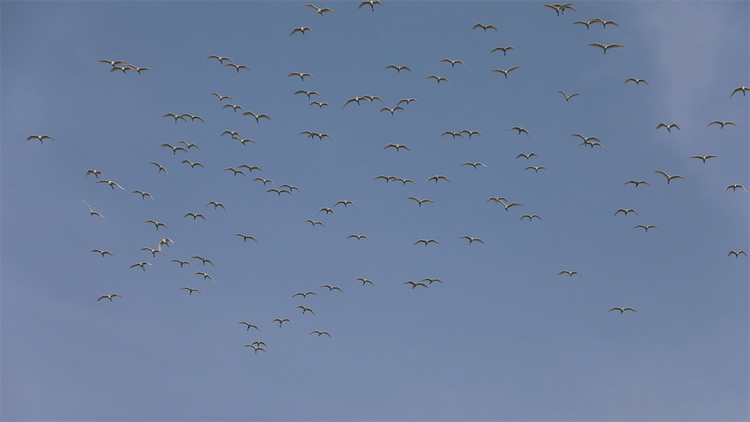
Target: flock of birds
124	67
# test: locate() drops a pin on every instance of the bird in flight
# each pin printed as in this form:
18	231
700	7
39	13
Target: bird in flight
407	101
314	222
157	224
414	284
281	320
219	58
606	46
398	68
472	132
204	260
217	205
153	251
587	23
505	72
734	187
204	275
364	281
570	273
568	97
485	27
181	262
332	288
301	75
585	139
736	253
453	134
472	239
637	182
305	309
174	148
452	62
96	173
358	236
301	29
356	100
669	178
719	122
530	216
237	67
391	110
536	168
327	210
370	3
503	49
436	178
233	107
176	116
260	179
249	325
320	333
645	227
235	171
526	156
432	280
740	89
257	117
192	164
41	138
560	8
397	147
102	252
320	10
304	295
704	157
110	183
319	104
92	212
278	191
637	81
426	241
221	97
308	93
605	22
161	168
245	237
475	165
520	130
438	79
140	264
622	309
344	203
626	211
668	126
109	297
421	201
191	290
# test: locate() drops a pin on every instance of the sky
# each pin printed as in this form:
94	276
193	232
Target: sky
503	336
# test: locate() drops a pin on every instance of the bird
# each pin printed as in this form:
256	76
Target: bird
123	69
513	204
191	290
505	72
319	104
605	22
308	93
386	178
313	223
256	348
153	251
668	126
249	325
438	79
503	49
176	116
192	164
496	199
570	273
407	101
216	205
742	89
585	139
391	110
260	179
704	157
161	168
452	62
669	178
174	148
281	320
358	236
102	252
370	3
301	29
398	68
645	227
291	188
472	132
304	295
568	97
736	253
109	297
734	187
305	309
250	168
587	23
606	46
637	81
96	173
231	133
625	211
520	130
356	100
301	75
41	138
233	107
397	147
139	69
166	241
719	122
414	284
320	10
143	194
332	288
637	182
432	280
232	169
530	216
421	201
364	280
472	239
344	202
244	141
219	58
245	237
140	264
592	144
113	62
110	183
405	181
436	178
326	209
156	224
560	8
536	168
257	117
204	275
622	309
426	241
279	191
453	134
526	156
221	97
204	260
472	164
181	262
320	333
485	27
92	212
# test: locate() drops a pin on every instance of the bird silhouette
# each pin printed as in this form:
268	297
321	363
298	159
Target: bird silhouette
506	71
669	178
622	309
109	297
485	27
606	46
668	126
320	10
191	290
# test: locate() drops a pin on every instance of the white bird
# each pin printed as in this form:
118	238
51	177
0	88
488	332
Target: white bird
668	126
113	62
421	201
304	295
436	178
370	3
92	212
472	239
391	110
156	224
313	223
161	168
291	188
204	260
181	262
669	178
526	156
426	241
174	148
414	284
625	211
736	253
530	216
281	320
719	122
742	89
432	280
221	97
606	46
140	69
250	168
472	132
397	147
305	309
278	191
122	69
219	58
260	179
485	27
605	22
637	81
520	130
204	275
398	68
622	309
320	10
585	139
192	164
257	117
41	138
191	290
153	251
438	79
734	187
472	164
301	29
503	49
637	182
364	281
358	236
140	264
452	62
320	333
512	204
235	171
249	325
109	297
301	75
408	100
332	288
176	116
245	237
327	210
453	134
568	97
237	67
308	93
233	107
587	23
99	251
110	183
646	227
536	168
570	273
505	72
704	157
319	104
96	173
217	205
344	202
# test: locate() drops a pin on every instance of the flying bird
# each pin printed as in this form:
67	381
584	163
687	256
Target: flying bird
485	27
176	116
245	237
736	253
426	241
320	10
505	72
570	273
622	309
102	252
308	93
320	333
191	290
174	148
414	284
520	130
637	182
637	81
421	201
503	49
219	58
113	62
626	211
140	264
110	183
221	97
432	280
719	122
472	132
319	104
313	223
370	3
92	212
605	22
260	179
305	309
397	147
358	236
356	100
407	101
585	139
452	62
530	216
233	107
438	79
536	168
526	156
157	224
249	325
192	164
472	239
216	205
344	202
96	173
606	46
568	97
475	165
161	168
327	210
398	68
281	320
188	145
704	157
304	295
669	178
391	110
109	297
453	134
278	191
41	138
257	117
204	275
301	75
181	262
513	204
153	251
237	67
332	288
204	260
291	188
668	126
587	23
122	69
301	29
645	227
436	178
742	89
734	187
364	281
232	169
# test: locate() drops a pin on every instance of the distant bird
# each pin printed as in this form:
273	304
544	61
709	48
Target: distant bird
245	237
332	288
320	10
626	211
216	205
526	156
398	68
472	132
257	117
301	29
92	212
438	79
606	46
391	110
536	168
358	236
109	297
233	107
256	348
250	168
386	178
308	93
404	181
475	165
587	23
734	187
327	210
260	179
742	89
485	27
191	290
235	171
301	75
496	199
645	227
176	116
704	157
520	130
453	134
622	309
320	333
140	264
432	280
244	141
96	173
181	262
370	3
278	191
585	139
219	58
221	97
41	138
99	251
204	275
637	81
560	8
503	49
592	144
530	216
161	168
669	178
668	126
414	284
719	122
472	239
304	295
188	145
174	148
736	253
110	183
356	100
204	260
570	273
568	97
230	133
194	117
237	67
513	204
192	164
436	178
407	101
291	188
452	62
426	241
305	309
313	223
281	320
123	69
605	22
157	224
421	201
319	104
165	241
505	72
637	182
364	281
249	325
153	251
397	147
113	62
344	202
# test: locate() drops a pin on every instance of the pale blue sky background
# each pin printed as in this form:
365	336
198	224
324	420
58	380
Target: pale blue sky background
504	338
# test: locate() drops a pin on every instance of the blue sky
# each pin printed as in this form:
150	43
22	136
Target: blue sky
504	337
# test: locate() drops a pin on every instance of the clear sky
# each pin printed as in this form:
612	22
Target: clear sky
503	337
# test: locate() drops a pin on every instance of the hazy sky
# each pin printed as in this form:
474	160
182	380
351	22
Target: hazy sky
503	336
